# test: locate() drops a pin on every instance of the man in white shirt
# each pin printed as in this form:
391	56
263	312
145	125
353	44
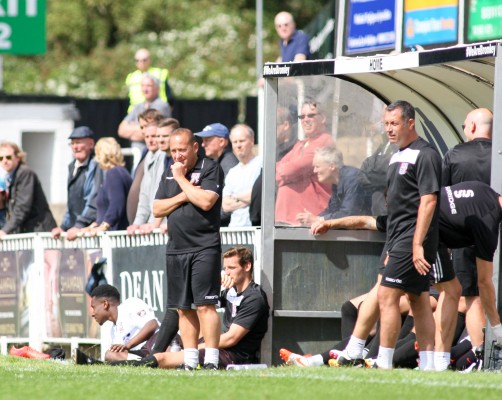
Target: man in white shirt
240	179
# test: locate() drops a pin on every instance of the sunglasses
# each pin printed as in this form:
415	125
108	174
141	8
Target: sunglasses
140	59
6	157
303	116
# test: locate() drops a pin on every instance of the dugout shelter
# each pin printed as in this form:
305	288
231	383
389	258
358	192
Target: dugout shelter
307	279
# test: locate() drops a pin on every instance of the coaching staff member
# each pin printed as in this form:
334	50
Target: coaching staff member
189	195
413	184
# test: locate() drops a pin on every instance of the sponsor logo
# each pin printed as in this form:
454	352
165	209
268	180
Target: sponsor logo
393	280
480	50
403	168
276	70
451	200
463	193
211	297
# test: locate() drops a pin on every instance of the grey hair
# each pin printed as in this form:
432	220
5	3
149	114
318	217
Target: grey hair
154	79
330	155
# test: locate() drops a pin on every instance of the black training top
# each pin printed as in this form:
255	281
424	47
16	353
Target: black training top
470	215
191	228
414	171
250	310
469	161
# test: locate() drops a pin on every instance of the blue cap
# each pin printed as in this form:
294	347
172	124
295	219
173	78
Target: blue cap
216	129
82	132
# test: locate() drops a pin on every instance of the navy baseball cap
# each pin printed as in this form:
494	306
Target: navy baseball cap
82	132
216	129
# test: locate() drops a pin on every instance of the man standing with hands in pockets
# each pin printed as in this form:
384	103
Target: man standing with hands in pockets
189	195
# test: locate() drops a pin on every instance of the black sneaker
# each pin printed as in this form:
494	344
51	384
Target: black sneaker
80	358
183	367
344	360
209	366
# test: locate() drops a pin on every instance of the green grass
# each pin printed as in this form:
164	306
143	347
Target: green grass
33	379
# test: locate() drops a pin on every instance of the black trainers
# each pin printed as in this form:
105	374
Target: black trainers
343	360
183	367
211	367
80	358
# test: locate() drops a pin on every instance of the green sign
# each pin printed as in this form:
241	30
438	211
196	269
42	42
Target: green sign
484	20
22	26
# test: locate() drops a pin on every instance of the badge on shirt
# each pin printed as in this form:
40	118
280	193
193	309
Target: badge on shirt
194	178
403	168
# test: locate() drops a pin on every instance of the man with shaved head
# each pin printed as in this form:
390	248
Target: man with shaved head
294	44
471	161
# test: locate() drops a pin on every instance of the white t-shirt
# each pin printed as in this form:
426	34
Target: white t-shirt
238	180
133	314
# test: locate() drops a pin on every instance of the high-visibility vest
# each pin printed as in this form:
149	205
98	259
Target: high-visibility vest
133	82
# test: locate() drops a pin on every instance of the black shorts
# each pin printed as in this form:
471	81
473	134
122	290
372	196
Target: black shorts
193	278
442	270
464	263
147	347
224	358
400	273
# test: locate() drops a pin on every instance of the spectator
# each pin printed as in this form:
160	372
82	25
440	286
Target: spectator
153	166
143	62
245	318
216	145
129	128
297	185
286	132
373	174
3	201
164	130
347	196
190	195
112	194
286	139
294	44
27	207
471	161
413	185
84	176
134	326
240	179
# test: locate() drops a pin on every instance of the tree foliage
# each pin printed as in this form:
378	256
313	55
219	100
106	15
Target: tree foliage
207	45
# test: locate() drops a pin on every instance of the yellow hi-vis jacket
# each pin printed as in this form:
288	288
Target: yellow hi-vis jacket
133	82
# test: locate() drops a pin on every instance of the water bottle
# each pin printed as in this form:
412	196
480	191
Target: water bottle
245	366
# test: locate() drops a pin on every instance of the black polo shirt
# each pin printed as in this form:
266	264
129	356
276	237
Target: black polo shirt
414	171
190	228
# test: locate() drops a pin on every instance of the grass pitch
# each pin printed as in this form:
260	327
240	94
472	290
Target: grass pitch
41	379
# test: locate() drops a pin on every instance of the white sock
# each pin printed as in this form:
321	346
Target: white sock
211	356
441	360
355	347
384	359
426	360
315	360
191	357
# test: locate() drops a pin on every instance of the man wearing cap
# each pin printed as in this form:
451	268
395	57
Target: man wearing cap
215	138
84	177
129	128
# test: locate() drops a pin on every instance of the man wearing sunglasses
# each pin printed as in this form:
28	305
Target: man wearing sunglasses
27	207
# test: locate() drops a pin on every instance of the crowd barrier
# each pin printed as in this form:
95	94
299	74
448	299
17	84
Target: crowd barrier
42	281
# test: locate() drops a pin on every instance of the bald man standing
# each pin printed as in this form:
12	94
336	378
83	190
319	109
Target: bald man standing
294	44
471	161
